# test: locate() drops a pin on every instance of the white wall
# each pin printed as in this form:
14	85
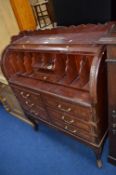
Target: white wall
8	24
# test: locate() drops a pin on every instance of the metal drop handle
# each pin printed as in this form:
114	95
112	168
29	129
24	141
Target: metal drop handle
24	96
66	121
73	131
30	105
65	110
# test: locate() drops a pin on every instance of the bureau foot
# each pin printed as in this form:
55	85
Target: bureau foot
98	153
99	164
35	123
36	127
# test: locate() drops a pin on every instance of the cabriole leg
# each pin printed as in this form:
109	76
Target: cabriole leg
35	123
98	153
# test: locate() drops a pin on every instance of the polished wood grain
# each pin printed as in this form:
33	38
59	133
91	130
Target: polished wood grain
59	78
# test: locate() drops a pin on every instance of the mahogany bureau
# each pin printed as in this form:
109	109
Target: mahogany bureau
59	78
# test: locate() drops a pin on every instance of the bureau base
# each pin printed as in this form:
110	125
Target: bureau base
97	149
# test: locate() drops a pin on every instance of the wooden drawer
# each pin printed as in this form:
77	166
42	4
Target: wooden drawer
70	120
75	131
46	77
38	113
83	113
31	102
27	95
26	98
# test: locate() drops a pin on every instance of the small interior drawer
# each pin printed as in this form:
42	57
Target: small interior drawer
46	77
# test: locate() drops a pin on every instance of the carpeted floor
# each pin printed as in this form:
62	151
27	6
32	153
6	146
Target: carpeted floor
47	152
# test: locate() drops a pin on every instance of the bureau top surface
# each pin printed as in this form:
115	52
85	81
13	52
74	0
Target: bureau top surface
82	35
110	38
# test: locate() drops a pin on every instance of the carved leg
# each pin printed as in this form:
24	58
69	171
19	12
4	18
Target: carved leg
36	126
98	153
35	123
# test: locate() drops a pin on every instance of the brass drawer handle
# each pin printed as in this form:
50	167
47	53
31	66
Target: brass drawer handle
30	105
65	110
24	96
50	67
23	46
45	78
73	131
27	95
36	113
66	121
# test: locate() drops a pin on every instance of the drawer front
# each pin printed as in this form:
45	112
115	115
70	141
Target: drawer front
70	120
38	113
27	99
46	77
31	102
83	113
75	131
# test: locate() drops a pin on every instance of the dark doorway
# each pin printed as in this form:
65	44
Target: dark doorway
74	12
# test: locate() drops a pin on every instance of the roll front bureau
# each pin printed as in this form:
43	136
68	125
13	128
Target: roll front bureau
59	78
